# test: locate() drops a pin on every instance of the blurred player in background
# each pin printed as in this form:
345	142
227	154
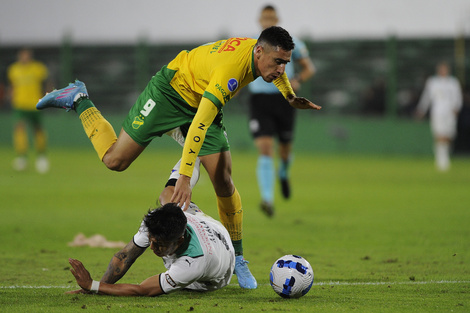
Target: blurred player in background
27	78
442	96
189	94
270	117
200	258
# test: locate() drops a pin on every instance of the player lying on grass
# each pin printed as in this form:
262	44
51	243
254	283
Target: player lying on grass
189	93
195	248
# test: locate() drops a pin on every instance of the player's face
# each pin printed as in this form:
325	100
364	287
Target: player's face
271	62
25	55
268	18
163	248
443	69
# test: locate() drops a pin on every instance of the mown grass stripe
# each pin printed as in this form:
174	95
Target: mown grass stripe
328	283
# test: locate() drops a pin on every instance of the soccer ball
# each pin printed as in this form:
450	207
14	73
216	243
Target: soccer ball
291	276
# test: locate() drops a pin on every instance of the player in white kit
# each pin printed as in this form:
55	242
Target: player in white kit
196	249
442	95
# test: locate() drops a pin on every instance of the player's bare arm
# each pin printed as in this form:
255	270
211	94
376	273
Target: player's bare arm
119	265
121	262
307	71
149	287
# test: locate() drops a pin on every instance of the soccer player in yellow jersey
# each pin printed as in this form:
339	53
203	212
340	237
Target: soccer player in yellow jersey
188	95
26	85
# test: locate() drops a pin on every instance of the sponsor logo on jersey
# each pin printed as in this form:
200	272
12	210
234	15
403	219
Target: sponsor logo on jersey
232	84
216	46
170	281
137	122
231	44
223	92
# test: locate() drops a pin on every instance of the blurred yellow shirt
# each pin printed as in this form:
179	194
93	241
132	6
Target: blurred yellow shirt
215	71
27	84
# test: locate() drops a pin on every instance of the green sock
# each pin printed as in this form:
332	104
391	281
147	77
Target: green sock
82	104
237	244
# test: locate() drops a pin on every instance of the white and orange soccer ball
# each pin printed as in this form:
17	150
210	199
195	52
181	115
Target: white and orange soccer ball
291	276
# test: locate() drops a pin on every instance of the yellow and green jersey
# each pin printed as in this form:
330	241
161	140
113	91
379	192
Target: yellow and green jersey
215	71
198	83
27	84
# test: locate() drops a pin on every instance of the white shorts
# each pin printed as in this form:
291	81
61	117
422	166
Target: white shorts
444	126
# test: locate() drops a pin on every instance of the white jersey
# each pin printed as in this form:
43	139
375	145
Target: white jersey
443	97
208	262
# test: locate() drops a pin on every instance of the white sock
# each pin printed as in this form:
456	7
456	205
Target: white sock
442	155
175	172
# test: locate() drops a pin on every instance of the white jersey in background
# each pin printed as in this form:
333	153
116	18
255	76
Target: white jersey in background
443	97
208	262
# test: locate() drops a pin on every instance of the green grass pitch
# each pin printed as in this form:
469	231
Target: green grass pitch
383	234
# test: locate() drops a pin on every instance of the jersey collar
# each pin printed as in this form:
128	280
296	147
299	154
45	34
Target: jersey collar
253	69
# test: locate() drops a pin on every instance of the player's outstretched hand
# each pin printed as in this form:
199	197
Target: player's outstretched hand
182	193
81	274
302	103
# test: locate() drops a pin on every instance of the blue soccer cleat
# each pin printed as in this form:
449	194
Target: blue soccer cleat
64	98
245	278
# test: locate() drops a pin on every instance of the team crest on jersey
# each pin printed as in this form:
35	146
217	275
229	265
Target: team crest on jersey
170	281
232	84
137	122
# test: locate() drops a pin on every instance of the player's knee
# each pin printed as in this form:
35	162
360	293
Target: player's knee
165	195
116	167
115	164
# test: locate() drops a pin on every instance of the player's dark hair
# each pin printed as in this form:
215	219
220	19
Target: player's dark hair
276	36
268	7
166	223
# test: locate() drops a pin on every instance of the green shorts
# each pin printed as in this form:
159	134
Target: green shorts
32	117
160	109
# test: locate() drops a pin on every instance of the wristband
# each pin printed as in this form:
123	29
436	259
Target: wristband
95	286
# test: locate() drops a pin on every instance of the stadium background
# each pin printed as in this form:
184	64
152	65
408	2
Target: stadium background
368	90
372	59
